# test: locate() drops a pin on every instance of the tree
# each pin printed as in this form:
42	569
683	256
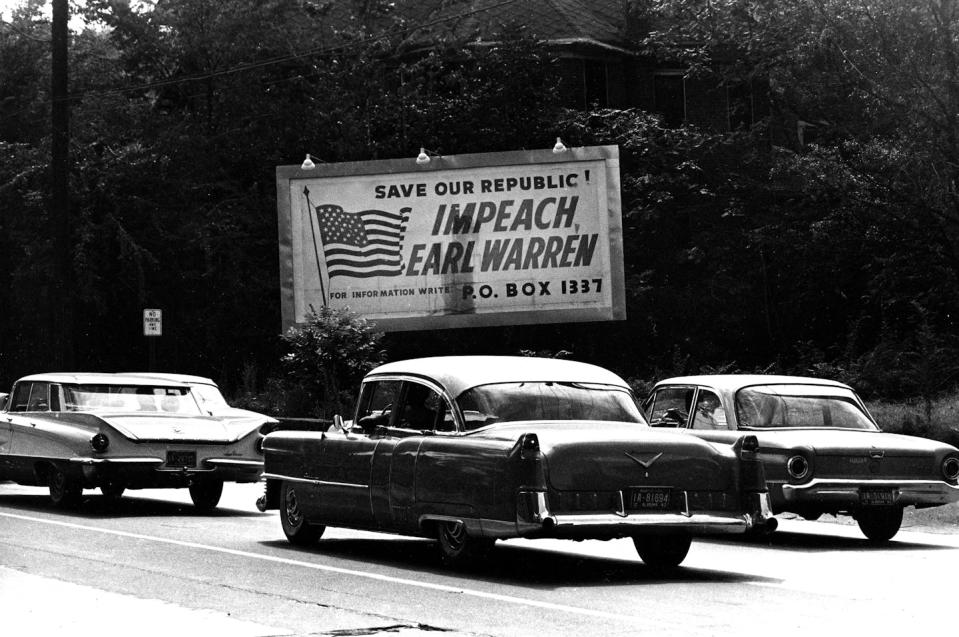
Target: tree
329	355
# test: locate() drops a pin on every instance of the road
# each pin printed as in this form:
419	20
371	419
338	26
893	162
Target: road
149	561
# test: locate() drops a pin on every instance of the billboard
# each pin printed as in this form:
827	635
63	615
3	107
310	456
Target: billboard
510	238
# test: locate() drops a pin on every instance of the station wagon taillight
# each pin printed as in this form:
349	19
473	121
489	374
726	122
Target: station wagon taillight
100	443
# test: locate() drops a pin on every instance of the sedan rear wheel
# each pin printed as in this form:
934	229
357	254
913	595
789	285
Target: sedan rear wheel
457	547
206	494
296	527
879	524
65	492
662	551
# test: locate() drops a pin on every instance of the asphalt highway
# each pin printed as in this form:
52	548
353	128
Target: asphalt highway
148	565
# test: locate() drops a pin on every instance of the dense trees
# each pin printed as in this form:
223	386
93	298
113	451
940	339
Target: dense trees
836	253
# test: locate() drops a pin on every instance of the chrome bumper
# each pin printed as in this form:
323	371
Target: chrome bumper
535	518
838	491
139	460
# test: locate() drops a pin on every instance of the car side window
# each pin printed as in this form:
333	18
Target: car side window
39	398
21	396
709	412
670	407
56	398
422	408
376	405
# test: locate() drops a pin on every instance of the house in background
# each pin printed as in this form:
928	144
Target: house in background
601	62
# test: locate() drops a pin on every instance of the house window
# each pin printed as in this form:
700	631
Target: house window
742	109
595	84
669	98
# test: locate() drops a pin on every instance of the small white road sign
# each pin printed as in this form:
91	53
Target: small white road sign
153	322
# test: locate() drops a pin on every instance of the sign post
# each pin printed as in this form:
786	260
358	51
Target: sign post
152	328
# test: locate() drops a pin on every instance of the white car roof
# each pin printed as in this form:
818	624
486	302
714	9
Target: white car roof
733	382
177	378
459	373
97	378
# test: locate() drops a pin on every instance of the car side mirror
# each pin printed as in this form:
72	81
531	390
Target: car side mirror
339	424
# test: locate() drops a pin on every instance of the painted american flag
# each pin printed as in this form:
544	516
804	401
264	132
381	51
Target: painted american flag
362	244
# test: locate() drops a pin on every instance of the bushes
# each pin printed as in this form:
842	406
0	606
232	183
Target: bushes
328	357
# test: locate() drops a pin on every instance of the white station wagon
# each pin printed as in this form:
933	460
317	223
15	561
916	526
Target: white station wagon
71	432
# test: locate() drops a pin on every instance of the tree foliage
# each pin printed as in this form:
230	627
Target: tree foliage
329	355
824	239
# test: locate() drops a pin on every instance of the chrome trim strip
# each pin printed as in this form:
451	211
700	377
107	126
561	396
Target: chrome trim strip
621	511
97	461
231	462
314	481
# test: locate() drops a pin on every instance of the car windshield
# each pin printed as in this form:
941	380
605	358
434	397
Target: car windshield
802	406
511	402
131	398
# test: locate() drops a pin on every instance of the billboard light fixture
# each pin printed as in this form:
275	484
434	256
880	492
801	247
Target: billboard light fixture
310	162
559	147
426	155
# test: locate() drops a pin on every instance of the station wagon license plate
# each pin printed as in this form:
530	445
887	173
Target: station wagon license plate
648	499
181	458
877	497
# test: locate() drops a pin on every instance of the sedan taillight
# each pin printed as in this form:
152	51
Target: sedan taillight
798	467
950	468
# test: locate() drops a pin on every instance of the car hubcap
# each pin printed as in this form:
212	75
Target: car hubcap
455	533
293	515
57	482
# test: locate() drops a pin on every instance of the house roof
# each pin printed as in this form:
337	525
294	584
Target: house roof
556	21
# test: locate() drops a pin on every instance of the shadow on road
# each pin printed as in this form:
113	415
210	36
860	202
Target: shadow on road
514	565
96	506
816	542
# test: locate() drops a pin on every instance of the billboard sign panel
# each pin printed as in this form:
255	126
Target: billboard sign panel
461	241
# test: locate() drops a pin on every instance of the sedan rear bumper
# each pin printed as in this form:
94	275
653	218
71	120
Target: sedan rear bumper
848	492
535	519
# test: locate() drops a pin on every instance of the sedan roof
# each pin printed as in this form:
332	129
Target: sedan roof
733	382
459	373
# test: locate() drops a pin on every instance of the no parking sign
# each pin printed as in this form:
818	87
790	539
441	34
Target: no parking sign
153	322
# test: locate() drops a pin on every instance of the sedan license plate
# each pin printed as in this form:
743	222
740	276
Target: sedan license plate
181	458
648	499
877	497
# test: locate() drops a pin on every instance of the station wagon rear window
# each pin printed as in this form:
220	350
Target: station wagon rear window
800	406
131	398
513	402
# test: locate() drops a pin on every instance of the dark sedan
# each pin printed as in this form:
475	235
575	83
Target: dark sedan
469	450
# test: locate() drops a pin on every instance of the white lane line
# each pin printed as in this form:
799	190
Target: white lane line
509	599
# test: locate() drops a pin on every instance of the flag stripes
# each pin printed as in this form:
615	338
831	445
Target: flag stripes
362	244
